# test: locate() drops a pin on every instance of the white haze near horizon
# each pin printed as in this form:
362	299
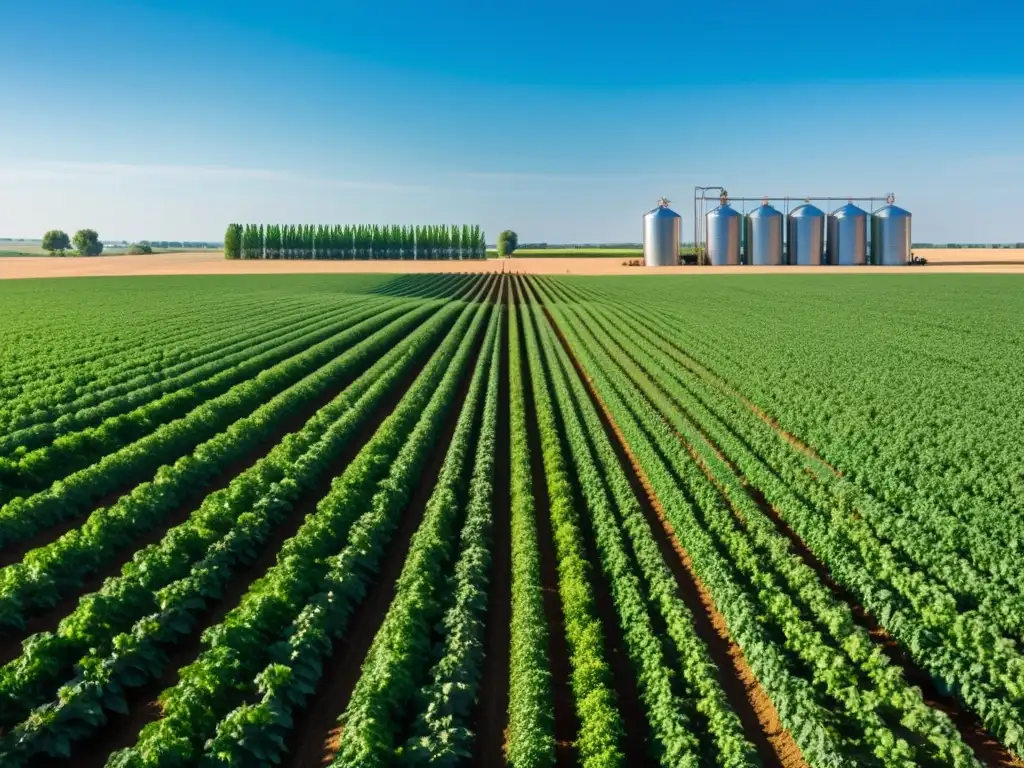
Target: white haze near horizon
124	201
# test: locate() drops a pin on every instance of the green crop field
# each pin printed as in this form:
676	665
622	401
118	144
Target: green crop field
445	519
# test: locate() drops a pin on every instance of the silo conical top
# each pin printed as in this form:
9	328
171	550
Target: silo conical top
848	210
806	210
764	210
662	209
892	212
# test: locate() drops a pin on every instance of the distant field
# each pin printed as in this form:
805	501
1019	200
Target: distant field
571	253
212	262
15	248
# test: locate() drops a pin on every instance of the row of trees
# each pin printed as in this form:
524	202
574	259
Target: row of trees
362	242
86	242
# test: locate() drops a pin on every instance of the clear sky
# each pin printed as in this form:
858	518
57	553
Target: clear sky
565	121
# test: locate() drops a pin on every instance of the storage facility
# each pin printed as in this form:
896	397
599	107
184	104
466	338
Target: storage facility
662	226
780	231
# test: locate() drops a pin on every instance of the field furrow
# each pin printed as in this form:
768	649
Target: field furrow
461	519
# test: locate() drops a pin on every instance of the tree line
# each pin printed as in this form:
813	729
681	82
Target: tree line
86	242
353	242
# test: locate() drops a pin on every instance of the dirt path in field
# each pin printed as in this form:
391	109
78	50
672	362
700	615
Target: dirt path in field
747	698
316	735
491	715
982	261
123	730
566	721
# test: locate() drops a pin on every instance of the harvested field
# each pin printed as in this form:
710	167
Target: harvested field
211	263
357	519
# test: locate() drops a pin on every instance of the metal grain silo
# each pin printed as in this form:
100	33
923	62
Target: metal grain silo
764	236
890	236
805	235
723	230
847	241
661	236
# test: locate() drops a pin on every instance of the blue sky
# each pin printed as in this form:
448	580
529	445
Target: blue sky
564	121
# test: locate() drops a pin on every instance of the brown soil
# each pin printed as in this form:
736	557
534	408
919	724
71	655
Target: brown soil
491	714
143	708
974	734
47	620
627	693
761	723
16	551
566	721
315	737
999	261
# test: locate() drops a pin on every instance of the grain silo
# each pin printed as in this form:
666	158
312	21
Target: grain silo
723	233
846	242
890	236
661	236
805	235
764	236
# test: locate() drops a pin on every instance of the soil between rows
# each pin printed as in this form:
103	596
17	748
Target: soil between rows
143	708
985	746
491	715
624	680
747	698
47	620
316	735
566	721
973	732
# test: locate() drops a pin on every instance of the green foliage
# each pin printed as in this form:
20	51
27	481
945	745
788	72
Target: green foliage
811	478
56	241
676	412
362	242
233	242
87	242
237	649
531	729
508	241
139	249
601	728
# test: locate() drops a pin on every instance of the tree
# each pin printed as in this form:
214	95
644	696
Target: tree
87	242
508	241
56	241
139	249
233	242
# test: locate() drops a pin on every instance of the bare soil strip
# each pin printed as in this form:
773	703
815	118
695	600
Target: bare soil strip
491	716
143	708
761	723
316	734
981	261
566	721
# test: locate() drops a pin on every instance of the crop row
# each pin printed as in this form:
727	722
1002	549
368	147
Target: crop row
959	646
61	416
341	534
799	610
191	565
